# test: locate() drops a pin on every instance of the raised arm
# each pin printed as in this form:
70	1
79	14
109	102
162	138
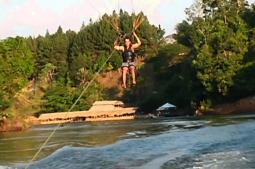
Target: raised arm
138	44
116	45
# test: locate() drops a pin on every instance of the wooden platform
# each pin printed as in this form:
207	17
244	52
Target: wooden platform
100	111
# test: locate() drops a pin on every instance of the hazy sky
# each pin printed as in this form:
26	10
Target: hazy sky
33	17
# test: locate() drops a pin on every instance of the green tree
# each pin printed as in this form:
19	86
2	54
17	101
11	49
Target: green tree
16	68
219	41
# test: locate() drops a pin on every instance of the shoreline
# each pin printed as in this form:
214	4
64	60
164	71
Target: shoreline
13	125
242	106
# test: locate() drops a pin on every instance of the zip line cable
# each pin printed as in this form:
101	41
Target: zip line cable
114	25
76	101
118	6
132	4
92	5
70	109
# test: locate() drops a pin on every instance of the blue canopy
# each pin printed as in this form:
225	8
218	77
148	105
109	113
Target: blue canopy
166	107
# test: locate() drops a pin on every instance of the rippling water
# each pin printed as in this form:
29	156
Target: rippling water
177	143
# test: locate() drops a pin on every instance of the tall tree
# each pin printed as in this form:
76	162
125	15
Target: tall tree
16	65
219	40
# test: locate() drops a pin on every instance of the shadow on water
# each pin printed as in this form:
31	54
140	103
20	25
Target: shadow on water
136	144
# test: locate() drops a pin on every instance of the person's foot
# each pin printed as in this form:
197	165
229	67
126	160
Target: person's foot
134	82
124	86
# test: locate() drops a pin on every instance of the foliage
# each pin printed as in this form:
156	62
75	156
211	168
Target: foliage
212	61
220	38
16	67
217	67
167	77
68	60
61	98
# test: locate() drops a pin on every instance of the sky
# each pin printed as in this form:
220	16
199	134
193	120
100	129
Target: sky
34	17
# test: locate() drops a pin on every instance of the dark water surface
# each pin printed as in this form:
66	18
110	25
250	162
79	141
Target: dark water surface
175	143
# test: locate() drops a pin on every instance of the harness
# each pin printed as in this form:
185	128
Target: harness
128	55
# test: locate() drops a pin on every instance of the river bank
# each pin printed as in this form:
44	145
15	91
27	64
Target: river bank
12	125
242	106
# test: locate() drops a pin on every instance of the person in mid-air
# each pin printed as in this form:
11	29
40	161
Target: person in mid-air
128	56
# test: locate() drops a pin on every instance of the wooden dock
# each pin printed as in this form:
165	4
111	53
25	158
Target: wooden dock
100	111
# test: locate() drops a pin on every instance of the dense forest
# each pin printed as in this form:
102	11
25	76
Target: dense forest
211	62
67	61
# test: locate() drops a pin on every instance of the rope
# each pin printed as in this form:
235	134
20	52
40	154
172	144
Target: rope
118	6
138	21
132	4
95	8
113	22
70	109
74	104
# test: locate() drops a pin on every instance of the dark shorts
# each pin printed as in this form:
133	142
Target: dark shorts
128	64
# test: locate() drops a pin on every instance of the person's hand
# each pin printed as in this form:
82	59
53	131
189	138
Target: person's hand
121	35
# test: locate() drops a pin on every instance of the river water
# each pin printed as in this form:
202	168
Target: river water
223	142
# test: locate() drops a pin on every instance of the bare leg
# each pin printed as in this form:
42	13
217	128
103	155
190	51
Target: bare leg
132	69
124	76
